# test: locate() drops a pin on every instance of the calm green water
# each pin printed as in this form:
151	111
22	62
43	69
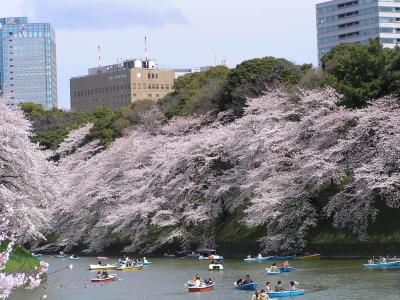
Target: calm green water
165	279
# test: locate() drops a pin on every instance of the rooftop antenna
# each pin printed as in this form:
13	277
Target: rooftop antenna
98	48
145	47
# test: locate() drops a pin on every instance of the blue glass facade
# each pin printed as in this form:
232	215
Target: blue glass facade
28	68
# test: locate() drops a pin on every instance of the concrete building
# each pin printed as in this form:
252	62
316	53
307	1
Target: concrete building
357	21
28	68
118	85
181	72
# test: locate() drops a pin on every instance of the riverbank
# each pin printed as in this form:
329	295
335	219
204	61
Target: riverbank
21	260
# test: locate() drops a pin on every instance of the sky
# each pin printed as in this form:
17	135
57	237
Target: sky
180	33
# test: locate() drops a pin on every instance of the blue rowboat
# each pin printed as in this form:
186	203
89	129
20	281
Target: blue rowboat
246	287
286	269
39	255
269	272
382	265
192	256
285	294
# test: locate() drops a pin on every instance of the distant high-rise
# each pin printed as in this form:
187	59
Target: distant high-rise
28	69
357	21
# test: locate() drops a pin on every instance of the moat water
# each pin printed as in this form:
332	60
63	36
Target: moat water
166	278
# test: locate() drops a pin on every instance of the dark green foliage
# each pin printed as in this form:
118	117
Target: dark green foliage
362	72
220	88
252	77
195	92
52	126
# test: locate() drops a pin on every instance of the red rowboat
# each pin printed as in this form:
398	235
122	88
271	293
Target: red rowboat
102	258
111	277
202	288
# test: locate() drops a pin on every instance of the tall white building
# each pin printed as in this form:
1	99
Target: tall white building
345	21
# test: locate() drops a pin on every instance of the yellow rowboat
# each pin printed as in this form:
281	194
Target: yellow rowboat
131	268
310	257
102	267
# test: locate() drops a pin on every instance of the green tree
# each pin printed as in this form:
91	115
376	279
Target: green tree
251	77
360	72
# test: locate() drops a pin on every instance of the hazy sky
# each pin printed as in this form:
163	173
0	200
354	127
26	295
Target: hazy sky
181	33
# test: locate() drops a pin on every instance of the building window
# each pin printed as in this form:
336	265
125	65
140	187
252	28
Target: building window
152	76
167	86
157	87
139	86
149	86
157	76
148	75
162	86
153	86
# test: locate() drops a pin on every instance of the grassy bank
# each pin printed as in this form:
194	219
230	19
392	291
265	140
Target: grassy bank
20	261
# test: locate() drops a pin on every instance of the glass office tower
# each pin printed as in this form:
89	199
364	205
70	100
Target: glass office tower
28	69
357	21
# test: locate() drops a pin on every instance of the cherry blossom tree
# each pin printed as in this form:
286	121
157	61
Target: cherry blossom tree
25	176
172	182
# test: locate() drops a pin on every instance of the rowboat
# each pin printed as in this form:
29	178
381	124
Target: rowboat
73	257
102	267
38	255
192	256
258	259
215	257
102	258
382	265
285	294
109	278
215	267
309	257
269	272
167	255
286	269
130	268
246	287
201	288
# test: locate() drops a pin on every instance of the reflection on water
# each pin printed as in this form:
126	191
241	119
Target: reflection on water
165	279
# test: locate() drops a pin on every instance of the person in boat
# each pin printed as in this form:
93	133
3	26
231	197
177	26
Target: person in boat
98	275
382	260
247	280
239	281
279	287
208	281
274	268
285	264
259	255
248	256
256	295
370	261
105	274
293	285
145	260
212	262
268	287
264	295
197	281
99	262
